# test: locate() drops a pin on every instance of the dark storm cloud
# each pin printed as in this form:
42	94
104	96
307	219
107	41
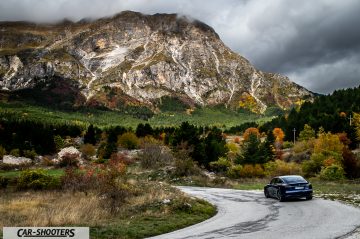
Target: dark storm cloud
315	43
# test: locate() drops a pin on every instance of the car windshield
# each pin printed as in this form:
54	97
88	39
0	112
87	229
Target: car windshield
294	179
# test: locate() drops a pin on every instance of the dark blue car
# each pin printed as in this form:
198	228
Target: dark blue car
290	186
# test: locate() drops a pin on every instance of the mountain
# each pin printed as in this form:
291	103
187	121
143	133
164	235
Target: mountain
133	59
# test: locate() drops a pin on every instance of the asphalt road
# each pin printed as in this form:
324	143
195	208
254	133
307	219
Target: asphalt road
248	214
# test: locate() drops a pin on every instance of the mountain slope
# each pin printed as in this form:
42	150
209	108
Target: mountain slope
137	60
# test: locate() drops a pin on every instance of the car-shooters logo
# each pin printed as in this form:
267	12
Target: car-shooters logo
46	232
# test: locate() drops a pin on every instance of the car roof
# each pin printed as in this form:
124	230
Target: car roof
286	176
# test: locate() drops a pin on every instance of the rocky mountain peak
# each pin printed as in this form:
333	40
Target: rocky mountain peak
137	59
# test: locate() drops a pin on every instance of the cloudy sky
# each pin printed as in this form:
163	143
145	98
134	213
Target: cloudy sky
314	42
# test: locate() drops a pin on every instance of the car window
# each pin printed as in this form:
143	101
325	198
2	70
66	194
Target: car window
294	179
273	181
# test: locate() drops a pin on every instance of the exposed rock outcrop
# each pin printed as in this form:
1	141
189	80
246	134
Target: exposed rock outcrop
137	59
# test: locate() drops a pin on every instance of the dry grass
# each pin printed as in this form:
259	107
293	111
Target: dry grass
50	209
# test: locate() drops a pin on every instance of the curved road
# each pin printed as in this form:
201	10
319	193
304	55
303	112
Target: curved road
248	214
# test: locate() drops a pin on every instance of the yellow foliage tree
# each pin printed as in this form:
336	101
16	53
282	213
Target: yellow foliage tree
251	131
328	142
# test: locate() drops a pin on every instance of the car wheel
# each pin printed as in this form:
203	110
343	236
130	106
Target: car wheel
280	196
266	193
309	198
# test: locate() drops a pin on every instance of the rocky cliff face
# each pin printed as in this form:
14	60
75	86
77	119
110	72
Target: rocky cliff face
135	59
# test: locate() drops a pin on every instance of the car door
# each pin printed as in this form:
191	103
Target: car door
271	188
278	184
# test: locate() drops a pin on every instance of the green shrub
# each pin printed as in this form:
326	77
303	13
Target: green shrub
15	152
59	142
2	152
37	180
30	154
234	171
332	172
307	133
128	140
221	165
313	166
287	145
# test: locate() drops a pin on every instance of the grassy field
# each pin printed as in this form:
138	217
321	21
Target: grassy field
153	210
216	116
16	173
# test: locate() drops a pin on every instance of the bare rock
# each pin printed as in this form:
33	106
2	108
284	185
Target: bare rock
9	159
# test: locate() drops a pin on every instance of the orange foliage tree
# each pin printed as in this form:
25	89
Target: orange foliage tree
251	131
279	138
279	135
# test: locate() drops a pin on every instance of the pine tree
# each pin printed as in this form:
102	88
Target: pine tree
89	137
250	151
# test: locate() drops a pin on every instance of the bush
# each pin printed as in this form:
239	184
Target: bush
184	164
105	180
2	152
250	171
69	160
59	142
88	150
288	145
79	180
3	182
128	140
279	167
232	147
221	165
301	146
121	158
37	180
318	160
333	172
30	154
155	155
186	167
234	171
15	152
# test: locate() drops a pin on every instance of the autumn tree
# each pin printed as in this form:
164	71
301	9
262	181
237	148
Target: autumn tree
279	138
279	135
328	142
250	131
